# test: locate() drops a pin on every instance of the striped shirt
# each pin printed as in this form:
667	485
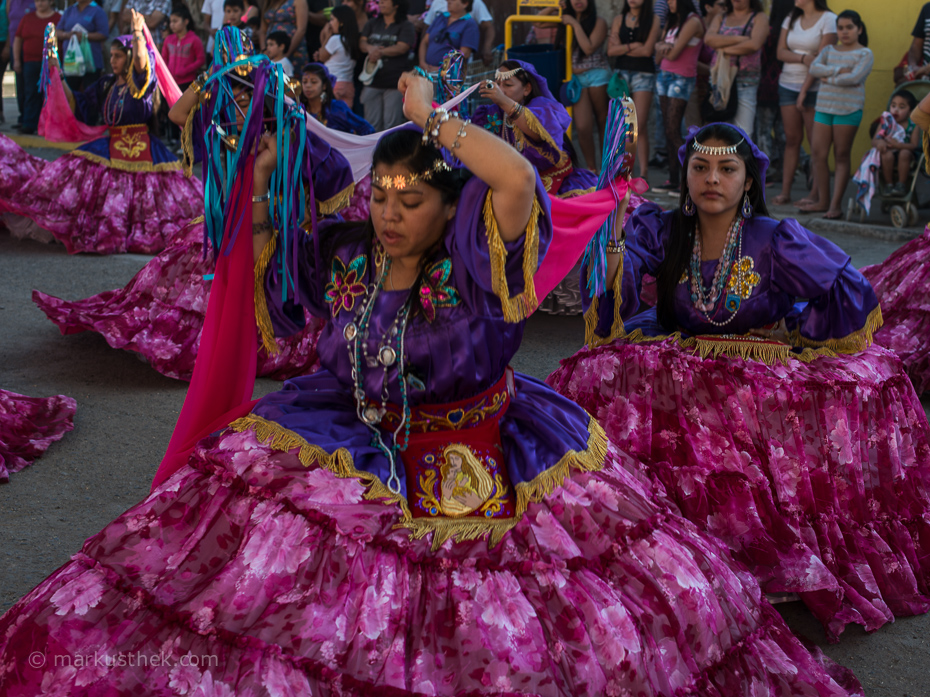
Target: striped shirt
841	93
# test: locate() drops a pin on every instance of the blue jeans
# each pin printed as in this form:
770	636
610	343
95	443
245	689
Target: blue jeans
32	98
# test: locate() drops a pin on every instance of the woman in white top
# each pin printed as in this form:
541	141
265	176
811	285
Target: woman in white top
340	52
804	33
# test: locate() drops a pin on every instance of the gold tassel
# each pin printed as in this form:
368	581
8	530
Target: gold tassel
262	318
537	128
187	141
855	342
518	308
337	202
139	92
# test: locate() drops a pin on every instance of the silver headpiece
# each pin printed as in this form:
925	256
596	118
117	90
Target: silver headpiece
506	75
716	150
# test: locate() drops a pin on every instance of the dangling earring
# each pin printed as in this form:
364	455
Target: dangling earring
688	206
747	206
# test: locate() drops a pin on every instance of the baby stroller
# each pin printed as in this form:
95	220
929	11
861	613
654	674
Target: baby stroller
903	207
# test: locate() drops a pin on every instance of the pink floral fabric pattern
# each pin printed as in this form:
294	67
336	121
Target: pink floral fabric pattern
16	167
816	475
248	573
160	315
902	284
28	426
92	208
360	203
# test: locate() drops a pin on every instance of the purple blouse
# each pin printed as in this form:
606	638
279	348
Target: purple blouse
478	296
116	103
782	263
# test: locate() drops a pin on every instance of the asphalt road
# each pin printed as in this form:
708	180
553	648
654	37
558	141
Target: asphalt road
126	412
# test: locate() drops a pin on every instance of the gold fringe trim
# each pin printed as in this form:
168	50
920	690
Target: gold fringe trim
187	142
139	92
706	346
337	202
124	166
858	341
536	127
262	318
591	338
518	308
276	437
340	464
572	193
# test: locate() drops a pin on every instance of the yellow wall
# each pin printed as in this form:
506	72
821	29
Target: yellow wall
889	23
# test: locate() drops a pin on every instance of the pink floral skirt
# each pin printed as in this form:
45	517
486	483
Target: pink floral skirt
902	284
28	426
93	208
160	315
16	168
248	573
815	475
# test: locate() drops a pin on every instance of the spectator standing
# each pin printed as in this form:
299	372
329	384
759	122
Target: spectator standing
317	19
183	50
388	39
920	47
15	11
213	16
452	30
276	47
234	15
341	53
90	17
804	34
479	12
289	16
842	70
4	49
589	63
27	59
633	36
678	52
155	13
740	32
769	133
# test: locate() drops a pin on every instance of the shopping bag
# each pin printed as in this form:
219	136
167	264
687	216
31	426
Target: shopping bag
74	59
89	66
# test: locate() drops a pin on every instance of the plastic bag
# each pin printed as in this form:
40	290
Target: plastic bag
88	54
74	59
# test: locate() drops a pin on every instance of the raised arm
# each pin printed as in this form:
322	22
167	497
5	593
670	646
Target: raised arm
140	52
509	175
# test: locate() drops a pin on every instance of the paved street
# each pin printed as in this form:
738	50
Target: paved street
126	412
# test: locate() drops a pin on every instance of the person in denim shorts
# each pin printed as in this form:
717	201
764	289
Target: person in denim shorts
632	40
678	52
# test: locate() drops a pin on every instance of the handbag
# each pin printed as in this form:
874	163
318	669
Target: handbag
74	65
618	87
711	109
570	92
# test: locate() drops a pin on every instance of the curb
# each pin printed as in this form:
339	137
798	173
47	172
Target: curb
887	233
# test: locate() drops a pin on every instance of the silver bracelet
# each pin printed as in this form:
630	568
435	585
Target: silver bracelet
461	134
261	199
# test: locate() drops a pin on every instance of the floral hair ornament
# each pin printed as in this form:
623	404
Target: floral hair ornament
401	182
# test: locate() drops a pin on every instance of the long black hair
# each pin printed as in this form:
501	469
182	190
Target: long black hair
780	10
681	240
348	30
797	12
854	17
683	9
587	19
646	17
401	147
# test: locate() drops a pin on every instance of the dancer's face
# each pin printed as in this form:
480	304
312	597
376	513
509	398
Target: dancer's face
513	88
410	220
717	182
118	59
311	85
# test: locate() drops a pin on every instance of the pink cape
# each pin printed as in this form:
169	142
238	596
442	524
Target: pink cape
224	372
57	122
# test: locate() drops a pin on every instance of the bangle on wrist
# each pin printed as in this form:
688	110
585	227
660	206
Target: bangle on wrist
262	198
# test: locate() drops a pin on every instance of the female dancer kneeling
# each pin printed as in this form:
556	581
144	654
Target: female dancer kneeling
736	398
415	518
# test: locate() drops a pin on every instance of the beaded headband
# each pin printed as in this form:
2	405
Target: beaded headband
716	150
506	75
401	182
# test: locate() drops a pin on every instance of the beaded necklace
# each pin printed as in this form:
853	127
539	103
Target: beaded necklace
705	301
356	336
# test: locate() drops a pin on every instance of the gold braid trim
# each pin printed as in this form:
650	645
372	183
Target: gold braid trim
536	127
124	166
337	202
340	464
858	341
139	92
187	142
262	318
518	308
591	338
746	347
276	437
